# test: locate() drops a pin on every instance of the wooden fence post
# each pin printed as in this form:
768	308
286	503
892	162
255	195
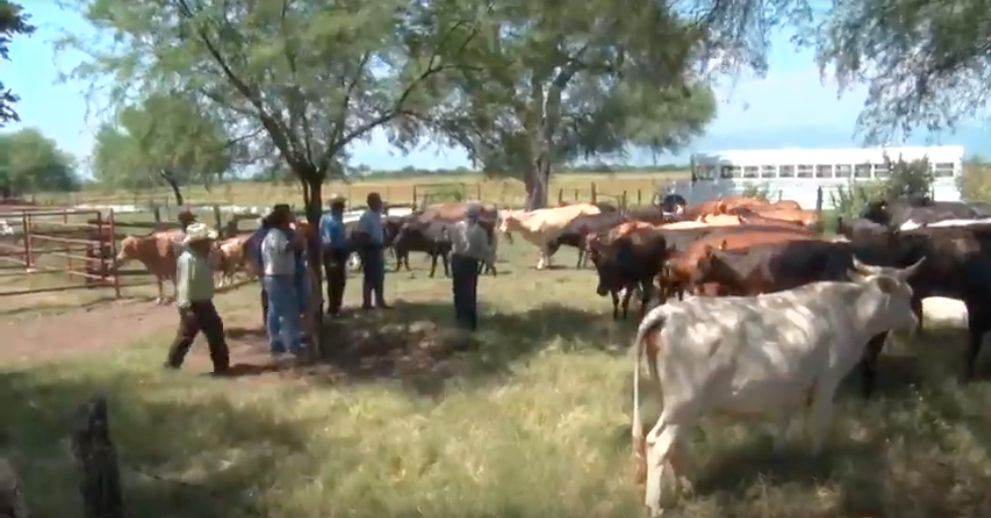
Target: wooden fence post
97	461
217	218
12	504
595	194
26	226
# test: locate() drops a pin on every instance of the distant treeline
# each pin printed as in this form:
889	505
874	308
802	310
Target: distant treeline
365	172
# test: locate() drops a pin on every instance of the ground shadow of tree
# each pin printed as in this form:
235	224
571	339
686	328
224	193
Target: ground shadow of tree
419	345
157	439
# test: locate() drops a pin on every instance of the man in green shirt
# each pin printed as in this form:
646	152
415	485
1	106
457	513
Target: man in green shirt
194	299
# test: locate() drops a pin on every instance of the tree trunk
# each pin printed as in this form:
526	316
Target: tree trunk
12	503
169	178
313	198
536	179
96	458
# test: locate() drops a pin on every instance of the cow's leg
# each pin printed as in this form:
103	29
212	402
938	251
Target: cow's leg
661	440
821	417
977	325
446	258
542	261
647	290
777	428
161	291
868	364
627	295
615	304
433	264
917	309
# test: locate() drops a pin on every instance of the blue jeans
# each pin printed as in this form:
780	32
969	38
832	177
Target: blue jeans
282	320
373	276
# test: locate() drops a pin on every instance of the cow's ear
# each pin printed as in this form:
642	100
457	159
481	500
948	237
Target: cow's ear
886	284
856	276
722	246
708	250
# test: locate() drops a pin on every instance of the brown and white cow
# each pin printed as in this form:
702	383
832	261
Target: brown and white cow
157	252
541	226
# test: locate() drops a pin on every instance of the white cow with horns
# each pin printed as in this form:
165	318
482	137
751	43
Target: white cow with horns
768	355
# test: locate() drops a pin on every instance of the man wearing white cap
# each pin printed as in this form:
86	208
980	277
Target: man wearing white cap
194	299
470	246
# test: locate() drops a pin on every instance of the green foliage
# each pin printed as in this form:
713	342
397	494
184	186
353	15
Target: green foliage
296	82
557	81
162	133
13	22
926	63
758	191
31	162
975	181
905	179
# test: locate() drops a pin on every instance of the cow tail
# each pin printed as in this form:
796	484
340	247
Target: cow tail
651	323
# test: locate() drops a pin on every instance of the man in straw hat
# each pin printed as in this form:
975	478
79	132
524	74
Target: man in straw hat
335	253
194	299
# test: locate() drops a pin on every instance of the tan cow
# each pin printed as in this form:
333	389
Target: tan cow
229	257
541	226
157	252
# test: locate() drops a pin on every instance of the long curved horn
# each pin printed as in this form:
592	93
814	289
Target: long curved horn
905	273
866	268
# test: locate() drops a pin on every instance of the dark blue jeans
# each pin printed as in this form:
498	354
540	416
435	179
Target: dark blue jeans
373	276
464	280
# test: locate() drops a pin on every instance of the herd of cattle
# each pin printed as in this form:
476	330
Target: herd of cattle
785	310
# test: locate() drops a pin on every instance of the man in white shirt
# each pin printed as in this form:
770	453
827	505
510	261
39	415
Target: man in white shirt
279	267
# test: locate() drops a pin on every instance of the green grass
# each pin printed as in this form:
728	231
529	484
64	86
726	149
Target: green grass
535	423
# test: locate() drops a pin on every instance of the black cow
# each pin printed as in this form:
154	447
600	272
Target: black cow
630	262
575	232
896	213
430	237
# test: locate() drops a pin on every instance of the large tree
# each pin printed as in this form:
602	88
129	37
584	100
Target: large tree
926	64
163	134
31	162
13	22
563	79
313	75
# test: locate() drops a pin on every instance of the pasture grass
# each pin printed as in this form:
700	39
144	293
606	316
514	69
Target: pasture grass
504	191
532	423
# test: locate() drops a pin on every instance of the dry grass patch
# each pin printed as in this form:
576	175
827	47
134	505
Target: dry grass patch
532	423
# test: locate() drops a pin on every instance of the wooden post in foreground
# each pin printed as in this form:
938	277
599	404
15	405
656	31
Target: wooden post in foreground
12	504
97	461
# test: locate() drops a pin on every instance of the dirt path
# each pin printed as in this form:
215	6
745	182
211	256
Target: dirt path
98	328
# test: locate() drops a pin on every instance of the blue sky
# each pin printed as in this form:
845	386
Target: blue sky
790	107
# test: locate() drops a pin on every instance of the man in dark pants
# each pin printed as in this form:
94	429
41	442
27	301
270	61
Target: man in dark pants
470	247
370	240
194	299
335	254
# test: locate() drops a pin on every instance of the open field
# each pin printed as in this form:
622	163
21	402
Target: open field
399	190
533	423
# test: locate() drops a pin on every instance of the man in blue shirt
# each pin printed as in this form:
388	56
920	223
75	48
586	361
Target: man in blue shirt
370	240
335	254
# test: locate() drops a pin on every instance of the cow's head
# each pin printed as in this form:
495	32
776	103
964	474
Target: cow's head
886	303
128	250
878	211
712	267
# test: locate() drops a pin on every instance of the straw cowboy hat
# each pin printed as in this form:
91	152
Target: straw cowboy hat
198	232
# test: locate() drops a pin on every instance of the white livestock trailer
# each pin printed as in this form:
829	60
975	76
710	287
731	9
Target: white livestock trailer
796	174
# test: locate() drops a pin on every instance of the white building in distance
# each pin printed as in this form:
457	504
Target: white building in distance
796	174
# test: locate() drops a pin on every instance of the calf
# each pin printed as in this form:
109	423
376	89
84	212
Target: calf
768	355
577	231
432	238
228	257
627	263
